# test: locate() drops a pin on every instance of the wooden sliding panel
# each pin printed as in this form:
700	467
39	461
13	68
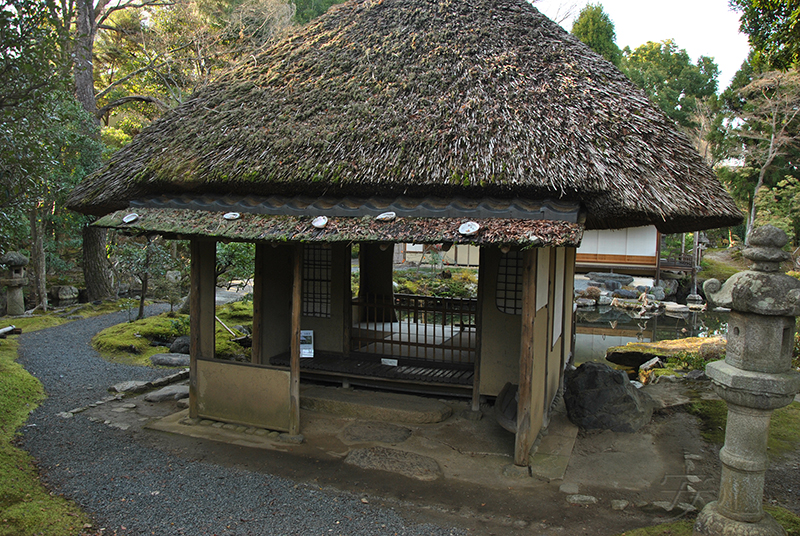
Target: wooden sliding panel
201	311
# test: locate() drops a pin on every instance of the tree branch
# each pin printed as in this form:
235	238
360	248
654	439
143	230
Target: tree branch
147	67
101	112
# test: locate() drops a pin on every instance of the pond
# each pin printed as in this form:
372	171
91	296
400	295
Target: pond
599	328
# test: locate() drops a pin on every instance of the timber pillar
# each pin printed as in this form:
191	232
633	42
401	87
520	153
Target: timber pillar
755	378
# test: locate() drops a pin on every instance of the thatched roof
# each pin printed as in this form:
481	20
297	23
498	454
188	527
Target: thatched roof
471	98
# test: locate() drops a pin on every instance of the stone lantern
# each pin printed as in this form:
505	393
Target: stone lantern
16	279
755	379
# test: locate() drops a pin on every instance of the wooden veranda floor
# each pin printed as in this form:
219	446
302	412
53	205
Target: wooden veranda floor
369	367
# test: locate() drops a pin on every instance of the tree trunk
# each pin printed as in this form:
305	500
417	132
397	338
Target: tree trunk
38	259
96	269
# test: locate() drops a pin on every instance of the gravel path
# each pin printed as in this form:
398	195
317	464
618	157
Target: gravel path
133	489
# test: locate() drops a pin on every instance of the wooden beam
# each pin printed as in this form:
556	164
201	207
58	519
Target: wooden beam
294	364
259	329
201	311
524	441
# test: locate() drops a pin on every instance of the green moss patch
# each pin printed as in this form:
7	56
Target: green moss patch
784	429
685	527
130	342
26	507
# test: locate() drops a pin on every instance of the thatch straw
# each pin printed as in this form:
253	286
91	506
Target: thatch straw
471	98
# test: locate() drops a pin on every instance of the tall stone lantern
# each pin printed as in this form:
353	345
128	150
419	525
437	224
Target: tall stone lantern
755	379
14	281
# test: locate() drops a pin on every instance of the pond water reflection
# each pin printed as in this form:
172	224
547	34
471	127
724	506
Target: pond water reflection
599	328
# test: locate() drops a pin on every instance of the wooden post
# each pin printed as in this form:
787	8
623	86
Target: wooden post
294	365
476	376
524	441
201	311
257	349
347	302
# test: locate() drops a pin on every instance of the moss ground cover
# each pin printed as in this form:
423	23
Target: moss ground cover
784	429
130	342
26	507
787	519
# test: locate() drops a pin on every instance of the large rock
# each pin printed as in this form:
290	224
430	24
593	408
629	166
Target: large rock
180	345
63	293
603	277
599	397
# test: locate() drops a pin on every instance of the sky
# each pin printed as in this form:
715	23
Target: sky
701	27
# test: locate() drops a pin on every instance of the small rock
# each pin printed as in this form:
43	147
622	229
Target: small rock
171	392
696	375
261	432
133	386
604	299
657	507
585	302
581	500
619	504
183	403
289	438
65	415
570	488
206	422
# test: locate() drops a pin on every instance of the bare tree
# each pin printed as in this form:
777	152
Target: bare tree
769	126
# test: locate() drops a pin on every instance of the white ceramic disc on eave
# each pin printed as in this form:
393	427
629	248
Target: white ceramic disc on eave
320	222
232	216
130	218
469	228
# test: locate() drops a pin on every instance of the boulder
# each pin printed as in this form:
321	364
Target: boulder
599	397
658	293
604	277
613	285
180	345
585	302
625	294
63	293
670	286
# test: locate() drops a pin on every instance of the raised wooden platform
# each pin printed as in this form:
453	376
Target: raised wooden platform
368	366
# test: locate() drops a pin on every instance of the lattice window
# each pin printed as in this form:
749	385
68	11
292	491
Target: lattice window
316	281
509	283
